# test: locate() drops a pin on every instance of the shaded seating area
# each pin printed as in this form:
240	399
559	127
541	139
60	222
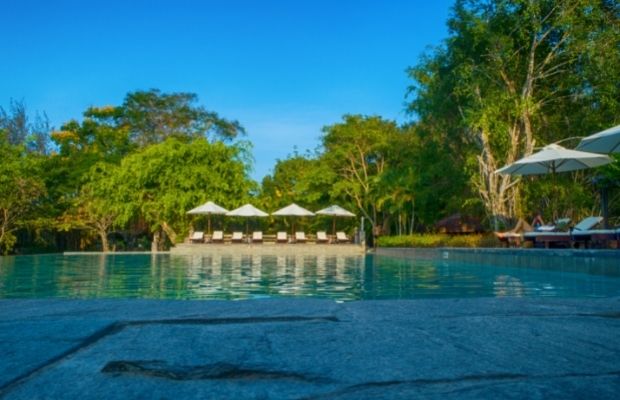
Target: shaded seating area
248	211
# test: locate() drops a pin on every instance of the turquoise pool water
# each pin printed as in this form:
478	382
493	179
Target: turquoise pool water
248	277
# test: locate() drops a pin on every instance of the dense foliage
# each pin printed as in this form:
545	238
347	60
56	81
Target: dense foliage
512	76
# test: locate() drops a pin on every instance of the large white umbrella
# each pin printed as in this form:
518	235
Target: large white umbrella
247	211
335	211
293	210
607	141
208	208
552	159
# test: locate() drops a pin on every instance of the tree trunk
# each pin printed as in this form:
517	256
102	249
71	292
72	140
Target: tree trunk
105	245
170	232
155	243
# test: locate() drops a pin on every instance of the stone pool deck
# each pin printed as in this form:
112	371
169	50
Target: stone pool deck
310	349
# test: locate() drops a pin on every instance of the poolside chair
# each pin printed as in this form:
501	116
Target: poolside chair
321	237
257	237
217	237
237	237
197	237
300	237
281	237
599	238
569	238
342	237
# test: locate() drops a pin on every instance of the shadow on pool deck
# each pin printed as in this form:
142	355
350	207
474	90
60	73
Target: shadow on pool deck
310	349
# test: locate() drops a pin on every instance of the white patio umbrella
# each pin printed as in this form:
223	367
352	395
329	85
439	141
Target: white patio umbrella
607	141
553	159
335	211
247	211
208	209
293	210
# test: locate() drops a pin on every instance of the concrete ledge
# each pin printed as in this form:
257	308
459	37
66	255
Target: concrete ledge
310	349
600	262
268	249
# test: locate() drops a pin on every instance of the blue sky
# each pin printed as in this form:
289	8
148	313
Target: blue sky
283	69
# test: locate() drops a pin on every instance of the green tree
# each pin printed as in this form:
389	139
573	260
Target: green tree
21	130
357	151
151	117
95	208
298	179
513	74
21	190
160	183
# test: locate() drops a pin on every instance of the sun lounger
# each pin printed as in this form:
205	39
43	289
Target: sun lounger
281	237
342	237
321	237
601	238
257	237
197	237
237	237
300	237
218	237
565	237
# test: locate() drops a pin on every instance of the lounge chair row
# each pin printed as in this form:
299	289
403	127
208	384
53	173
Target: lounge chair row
582	234
257	237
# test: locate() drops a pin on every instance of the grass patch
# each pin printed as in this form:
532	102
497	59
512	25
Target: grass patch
439	240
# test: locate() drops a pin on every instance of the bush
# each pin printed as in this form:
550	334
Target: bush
439	240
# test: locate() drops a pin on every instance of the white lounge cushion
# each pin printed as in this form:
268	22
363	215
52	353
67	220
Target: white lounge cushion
198	235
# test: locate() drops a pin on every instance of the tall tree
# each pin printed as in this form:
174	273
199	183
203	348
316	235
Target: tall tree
510	71
356	150
20	130
162	182
301	179
151	117
20	190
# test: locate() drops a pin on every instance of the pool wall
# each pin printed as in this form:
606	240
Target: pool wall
599	262
268	249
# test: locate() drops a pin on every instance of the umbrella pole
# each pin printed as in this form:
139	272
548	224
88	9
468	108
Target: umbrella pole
209	224
334	226
554	206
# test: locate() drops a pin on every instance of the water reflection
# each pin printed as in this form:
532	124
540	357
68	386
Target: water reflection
244	276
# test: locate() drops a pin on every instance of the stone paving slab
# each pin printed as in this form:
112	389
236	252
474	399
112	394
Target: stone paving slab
310	349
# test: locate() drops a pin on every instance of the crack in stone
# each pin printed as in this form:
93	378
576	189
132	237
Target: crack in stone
116	327
612	315
463	379
615	315
217	371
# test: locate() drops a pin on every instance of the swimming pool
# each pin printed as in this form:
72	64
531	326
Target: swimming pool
236	277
